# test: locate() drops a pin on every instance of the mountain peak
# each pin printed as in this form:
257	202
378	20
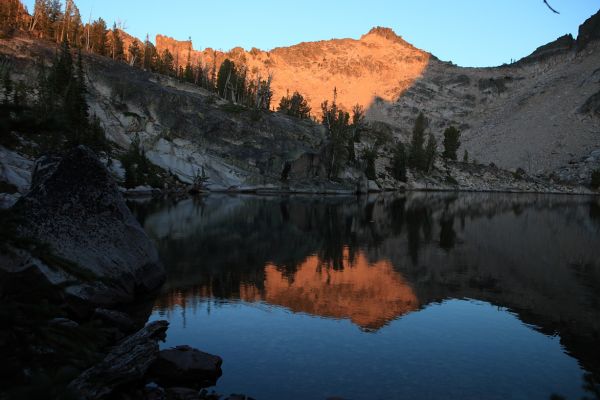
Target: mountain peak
386	33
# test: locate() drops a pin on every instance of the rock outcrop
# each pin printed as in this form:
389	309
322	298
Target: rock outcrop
15	176
184	365
84	240
589	31
126	363
379	64
395	81
533	102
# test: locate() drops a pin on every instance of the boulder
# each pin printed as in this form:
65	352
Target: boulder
186	365
15	169
15	176
126	363
88	243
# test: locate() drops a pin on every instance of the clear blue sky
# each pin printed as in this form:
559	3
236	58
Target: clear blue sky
467	32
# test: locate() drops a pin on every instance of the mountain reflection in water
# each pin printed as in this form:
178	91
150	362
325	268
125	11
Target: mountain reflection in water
372	260
370	295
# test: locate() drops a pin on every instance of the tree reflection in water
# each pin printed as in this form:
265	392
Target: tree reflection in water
373	259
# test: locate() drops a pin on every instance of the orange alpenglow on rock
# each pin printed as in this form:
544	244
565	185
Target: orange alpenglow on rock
370	295
378	65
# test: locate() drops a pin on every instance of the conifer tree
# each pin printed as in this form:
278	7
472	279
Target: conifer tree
188	73
10	14
295	105
166	65
213	72
451	143
40	19
135	55
150	56
62	71
98	37
80	107
369	156
358	119
430	153
54	19
336	122
399	162
225	76
416	155
116	44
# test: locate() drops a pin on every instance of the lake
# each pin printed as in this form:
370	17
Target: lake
418	295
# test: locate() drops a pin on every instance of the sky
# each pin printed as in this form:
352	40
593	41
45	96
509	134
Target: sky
466	32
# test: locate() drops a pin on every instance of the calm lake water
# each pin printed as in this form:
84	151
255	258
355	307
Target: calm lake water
425	295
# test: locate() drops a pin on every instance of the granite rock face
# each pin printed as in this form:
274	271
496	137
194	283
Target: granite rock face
15	176
538	113
91	245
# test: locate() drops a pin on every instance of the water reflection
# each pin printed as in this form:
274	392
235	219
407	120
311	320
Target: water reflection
370	295
373	260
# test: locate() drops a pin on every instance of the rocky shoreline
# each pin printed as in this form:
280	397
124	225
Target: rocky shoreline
16	172
78	276
74	253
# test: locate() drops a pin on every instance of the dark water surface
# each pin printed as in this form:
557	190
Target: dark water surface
460	296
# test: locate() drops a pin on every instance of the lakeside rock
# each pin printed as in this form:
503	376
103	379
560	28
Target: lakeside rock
86	243
186	365
15	176
127	363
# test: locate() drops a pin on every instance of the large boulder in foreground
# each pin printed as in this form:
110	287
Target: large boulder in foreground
89	242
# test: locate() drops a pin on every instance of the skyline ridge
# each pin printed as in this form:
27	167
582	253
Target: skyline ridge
473	34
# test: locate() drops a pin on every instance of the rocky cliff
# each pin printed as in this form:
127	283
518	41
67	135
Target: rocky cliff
539	114
378	65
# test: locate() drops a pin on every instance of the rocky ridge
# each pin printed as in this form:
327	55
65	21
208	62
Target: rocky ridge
539	114
509	115
378	65
546	102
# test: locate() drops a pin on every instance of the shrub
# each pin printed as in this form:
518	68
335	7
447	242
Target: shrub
369	156
416	154
139	171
